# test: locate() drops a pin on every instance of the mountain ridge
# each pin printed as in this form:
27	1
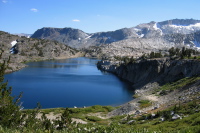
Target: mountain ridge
79	39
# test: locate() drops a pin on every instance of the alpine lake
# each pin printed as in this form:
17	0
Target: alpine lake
68	83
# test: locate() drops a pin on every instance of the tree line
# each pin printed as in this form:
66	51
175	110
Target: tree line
184	52
176	52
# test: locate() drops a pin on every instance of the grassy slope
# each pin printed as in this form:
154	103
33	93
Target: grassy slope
96	119
190	121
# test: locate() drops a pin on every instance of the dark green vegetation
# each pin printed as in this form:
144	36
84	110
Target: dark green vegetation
172	53
125	59
155	55
144	103
183	53
165	89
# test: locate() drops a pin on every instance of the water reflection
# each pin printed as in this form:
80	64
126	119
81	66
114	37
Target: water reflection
68	83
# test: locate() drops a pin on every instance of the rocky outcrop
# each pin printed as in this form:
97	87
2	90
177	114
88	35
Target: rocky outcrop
180	96
162	71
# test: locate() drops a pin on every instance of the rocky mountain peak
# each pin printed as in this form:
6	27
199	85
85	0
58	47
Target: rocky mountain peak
180	22
146	37
48	32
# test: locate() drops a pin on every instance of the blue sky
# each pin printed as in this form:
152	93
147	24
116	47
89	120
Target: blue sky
26	16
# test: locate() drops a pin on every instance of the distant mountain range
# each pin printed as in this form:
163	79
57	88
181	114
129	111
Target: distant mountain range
23	34
187	31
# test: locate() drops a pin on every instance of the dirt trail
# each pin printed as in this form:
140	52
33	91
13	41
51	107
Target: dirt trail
151	97
99	114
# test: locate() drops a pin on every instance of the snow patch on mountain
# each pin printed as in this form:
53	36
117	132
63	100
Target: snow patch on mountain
190	27
170	32
87	37
23	34
136	29
13	49
13	43
138	32
156	26
142	35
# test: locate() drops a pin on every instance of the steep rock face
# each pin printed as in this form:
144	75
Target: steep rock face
160	70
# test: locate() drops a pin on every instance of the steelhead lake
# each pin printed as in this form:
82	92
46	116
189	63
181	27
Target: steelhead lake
68	83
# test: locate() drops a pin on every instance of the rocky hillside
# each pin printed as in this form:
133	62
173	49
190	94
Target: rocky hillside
79	39
30	49
158	83
71	37
151	36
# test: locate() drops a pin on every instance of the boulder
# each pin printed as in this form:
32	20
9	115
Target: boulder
176	116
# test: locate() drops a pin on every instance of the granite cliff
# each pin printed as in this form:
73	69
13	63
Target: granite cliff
142	72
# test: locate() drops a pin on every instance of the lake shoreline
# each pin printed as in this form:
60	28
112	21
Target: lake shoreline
66	78
20	65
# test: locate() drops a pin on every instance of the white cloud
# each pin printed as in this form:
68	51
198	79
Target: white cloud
4	1
76	20
34	10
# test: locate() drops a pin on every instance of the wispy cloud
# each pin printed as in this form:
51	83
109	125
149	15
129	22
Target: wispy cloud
4	1
34	10
76	20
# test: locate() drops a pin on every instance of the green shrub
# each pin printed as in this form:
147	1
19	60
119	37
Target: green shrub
196	121
144	103
163	92
117	117
93	118
135	96
178	84
109	108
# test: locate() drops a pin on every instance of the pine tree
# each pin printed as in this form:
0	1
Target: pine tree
65	120
10	114
172	51
152	55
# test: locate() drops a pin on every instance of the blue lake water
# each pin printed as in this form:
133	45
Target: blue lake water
68	83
